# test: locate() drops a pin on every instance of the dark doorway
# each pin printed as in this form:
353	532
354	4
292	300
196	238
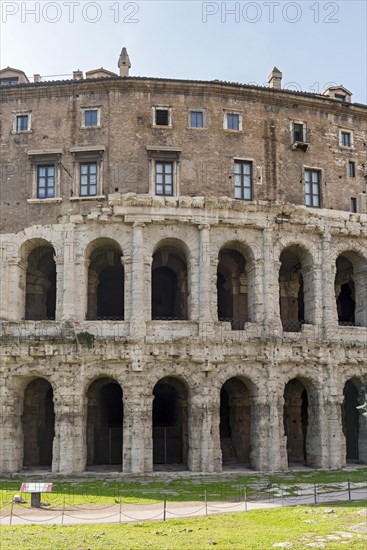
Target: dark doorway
170	426
38	424
104	423
235	423
296	421
169	284
351	420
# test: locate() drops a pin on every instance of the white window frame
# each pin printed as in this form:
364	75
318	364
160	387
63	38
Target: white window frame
15	115
164	154
239	160
292	130
204	126
84	155
84	110
162	108
346	131
45	158
225	120
320	195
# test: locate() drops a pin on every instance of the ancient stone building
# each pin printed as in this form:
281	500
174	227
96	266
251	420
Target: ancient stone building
183	274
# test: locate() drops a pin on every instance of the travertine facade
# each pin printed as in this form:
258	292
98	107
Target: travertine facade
183	274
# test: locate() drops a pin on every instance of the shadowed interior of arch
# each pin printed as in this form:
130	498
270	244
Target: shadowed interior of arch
41	284
38	421
169	284
104	423
235	423
170	422
352	420
232	288
296	421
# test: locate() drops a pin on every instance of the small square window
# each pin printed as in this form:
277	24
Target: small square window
88	179
351	169
196	119
162	117
346	139
46	181
164	178
22	124
243	180
233	121
91	117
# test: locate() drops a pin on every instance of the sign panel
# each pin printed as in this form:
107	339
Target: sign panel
36	488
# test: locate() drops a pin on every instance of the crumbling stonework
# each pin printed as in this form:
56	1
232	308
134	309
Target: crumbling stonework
193	328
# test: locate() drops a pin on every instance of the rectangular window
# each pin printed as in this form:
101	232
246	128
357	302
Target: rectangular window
46	181
164	178
90	118
345	139
88	179
233	121
22	123
312	188
162	117
196	119
353	204
298	132
351	169
243	180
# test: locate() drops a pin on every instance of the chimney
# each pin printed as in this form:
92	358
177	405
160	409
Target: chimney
275	79
124	63
36	78
78	75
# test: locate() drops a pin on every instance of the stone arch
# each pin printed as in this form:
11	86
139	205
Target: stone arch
354	423
40	279
38	420
170	422
236	433
351	288
105	280
169	285
296	287
235	285
104	433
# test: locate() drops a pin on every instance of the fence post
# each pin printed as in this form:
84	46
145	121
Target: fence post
281	494
245	499
349	493
120	513
164	508
63	512
11	512
206	504
315	493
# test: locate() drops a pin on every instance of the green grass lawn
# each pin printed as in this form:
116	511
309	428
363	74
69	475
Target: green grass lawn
152	489
340	525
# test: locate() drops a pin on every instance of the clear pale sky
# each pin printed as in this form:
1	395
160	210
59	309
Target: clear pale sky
314	43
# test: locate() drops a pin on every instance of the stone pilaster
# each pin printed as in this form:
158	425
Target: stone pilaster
11	433
137	442
271	311
69	446
138	294
16	292
204	274
204	440
330	316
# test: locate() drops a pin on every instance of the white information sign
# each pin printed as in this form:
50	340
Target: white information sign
36	488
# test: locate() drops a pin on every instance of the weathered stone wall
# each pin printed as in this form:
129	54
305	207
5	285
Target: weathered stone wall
207	155
279	347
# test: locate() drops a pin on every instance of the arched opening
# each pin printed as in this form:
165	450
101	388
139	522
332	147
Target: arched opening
38	421
351	289
235	423
106	282
170	423
169	284
232	288
353	429
104	423
296	421
296	298
40	301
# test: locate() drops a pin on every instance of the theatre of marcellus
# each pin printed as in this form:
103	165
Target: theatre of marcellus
183	274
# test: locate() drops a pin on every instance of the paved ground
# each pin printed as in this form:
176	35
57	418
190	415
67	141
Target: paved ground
154	512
